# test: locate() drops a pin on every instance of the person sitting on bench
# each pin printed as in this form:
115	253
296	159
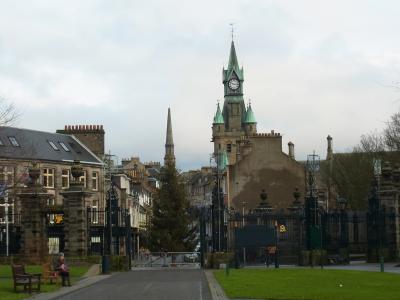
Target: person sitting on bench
63	270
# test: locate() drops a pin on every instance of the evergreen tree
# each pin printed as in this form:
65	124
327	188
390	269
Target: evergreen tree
171	227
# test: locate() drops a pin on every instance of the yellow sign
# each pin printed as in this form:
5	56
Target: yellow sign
58	219
282	228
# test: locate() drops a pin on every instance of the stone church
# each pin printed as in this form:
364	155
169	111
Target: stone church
254	161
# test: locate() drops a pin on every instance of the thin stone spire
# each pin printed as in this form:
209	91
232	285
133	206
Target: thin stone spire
169	142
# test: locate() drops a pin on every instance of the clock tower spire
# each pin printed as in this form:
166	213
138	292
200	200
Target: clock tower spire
234	110
169	157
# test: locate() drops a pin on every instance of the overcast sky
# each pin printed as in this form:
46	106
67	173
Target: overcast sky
312	68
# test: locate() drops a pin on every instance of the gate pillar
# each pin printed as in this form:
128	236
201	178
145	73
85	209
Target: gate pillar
75	219
33	199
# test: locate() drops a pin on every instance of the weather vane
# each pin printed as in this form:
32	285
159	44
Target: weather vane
232	29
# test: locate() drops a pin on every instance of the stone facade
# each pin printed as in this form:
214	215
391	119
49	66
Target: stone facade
199	185
33	201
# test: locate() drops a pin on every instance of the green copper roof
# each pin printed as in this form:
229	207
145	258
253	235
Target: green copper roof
250	118
222	160
233	62
233	65
218	118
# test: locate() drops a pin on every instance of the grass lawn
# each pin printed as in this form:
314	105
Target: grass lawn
7	285
310	284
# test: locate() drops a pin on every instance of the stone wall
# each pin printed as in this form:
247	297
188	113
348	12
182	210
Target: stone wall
263	165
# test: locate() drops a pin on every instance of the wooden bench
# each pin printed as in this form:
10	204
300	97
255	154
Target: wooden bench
49	275
27	280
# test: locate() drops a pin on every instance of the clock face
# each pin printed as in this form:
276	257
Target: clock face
234	84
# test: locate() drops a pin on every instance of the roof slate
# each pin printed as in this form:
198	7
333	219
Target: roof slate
34	145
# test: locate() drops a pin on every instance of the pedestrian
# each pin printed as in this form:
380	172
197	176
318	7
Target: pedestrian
63	270
270	253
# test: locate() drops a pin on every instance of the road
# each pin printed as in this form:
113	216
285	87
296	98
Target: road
148	284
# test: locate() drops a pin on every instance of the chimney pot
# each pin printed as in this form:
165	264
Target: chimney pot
291	150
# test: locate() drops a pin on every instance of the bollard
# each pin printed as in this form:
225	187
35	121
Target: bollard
105	264
227	269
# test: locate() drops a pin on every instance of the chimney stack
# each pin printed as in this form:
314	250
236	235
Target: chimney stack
291	150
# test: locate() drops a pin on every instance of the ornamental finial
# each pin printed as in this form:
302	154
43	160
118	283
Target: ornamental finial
232	29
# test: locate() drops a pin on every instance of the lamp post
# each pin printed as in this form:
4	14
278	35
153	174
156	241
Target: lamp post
243	208
4	194
379	215
276	244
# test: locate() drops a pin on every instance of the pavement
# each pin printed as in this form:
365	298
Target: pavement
217	292
91	277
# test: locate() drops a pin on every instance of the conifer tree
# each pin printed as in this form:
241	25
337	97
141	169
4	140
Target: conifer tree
171	227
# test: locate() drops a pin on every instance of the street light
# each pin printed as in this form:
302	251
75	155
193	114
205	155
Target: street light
377	173
4	194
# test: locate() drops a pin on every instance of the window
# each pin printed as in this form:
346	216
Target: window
95	181
51	201
64	146
48	178
83	178
13	141
6	175
54	245
65	178
53	146
95	239
229	147
9	209
95	212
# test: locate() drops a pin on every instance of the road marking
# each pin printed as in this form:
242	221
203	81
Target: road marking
201	290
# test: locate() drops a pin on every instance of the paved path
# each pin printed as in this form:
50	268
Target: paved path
149	285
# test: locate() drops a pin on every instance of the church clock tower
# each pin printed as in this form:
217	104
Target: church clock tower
234	122
234	108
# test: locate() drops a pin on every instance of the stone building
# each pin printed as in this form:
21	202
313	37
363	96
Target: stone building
54	154
144	182
199	185
255	161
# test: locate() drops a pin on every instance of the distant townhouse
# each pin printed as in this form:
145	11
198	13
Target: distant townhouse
55	154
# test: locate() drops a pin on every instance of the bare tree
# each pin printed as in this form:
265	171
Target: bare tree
392	132
373	142
8	113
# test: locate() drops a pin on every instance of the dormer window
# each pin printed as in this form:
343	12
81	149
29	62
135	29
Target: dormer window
55	148
64	147
13	141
